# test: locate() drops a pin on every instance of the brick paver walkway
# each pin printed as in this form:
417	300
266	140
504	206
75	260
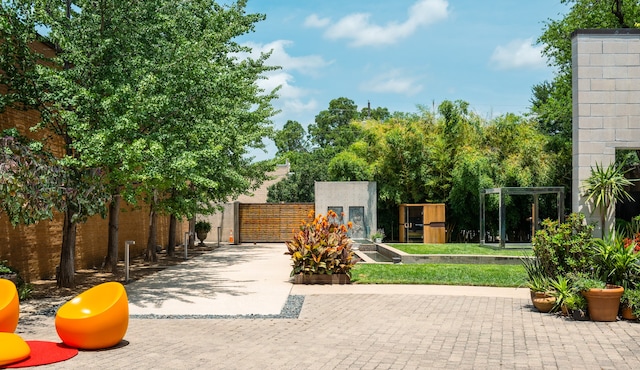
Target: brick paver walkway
370	331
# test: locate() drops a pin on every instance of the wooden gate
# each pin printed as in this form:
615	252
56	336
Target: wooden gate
271	222
422	223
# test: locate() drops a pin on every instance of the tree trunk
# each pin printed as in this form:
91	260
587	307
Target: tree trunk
151	255
171	246
192	232
111	260
66	271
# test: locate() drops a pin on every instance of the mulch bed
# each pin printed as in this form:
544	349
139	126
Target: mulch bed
138	268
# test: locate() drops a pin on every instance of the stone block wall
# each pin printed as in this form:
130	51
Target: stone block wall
606	103
349	195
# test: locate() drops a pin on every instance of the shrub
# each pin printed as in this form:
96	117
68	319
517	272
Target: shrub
615	262
321	247
564	247
202	226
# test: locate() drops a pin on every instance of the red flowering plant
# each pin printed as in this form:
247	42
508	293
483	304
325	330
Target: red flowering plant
632	242
321	247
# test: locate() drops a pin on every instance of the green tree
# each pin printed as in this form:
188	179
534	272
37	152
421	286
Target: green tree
306	169
31	184
348	166
152	92
291	138
332	127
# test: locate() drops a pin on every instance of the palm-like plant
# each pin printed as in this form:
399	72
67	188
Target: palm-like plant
605	186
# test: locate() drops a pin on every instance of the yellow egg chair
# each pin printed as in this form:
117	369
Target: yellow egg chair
97	318
9	306
12	348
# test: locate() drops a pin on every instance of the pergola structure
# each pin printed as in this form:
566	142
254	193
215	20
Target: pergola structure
502	192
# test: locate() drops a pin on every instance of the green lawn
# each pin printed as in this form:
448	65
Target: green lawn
453	248
445	274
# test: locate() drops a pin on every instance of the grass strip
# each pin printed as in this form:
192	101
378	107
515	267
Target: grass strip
440	274
461	248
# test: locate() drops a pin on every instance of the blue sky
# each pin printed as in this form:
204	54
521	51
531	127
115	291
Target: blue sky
402	53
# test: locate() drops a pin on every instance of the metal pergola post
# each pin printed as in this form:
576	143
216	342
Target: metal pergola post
502	212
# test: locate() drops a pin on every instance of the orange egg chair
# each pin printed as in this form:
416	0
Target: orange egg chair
97	318
9	306
12	348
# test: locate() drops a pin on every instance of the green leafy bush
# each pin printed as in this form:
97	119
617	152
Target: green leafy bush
202	226
564	247
321	247
631	298
616	262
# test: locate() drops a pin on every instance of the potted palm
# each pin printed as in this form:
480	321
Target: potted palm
202	228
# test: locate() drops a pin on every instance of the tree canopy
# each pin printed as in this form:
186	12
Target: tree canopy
155	95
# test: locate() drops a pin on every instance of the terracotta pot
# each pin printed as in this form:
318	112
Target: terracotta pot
603	304
627	313
542	301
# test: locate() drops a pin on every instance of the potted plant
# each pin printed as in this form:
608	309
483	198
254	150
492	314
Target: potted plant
321	252
202	228
538	284
630	304
576	305
378	236
603	300
561	291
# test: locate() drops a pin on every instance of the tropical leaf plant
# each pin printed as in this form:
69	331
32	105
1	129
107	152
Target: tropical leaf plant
321	247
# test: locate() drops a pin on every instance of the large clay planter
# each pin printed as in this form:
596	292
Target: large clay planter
542	301
603	304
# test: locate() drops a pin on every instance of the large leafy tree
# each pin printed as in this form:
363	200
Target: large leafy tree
154	93
333	128
292	138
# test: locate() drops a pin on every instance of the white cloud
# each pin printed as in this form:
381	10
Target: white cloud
314	21
297	106
358	28
309	64
518	54
393	82
292	99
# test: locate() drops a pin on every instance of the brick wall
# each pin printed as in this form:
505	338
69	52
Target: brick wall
606	102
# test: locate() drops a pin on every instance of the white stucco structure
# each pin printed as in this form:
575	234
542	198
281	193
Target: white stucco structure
606	103
350	197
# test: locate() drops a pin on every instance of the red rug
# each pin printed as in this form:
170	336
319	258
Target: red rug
43	353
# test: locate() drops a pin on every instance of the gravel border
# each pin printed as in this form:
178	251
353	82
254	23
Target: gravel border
291	310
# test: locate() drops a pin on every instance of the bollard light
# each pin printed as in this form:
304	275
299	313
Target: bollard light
126	259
